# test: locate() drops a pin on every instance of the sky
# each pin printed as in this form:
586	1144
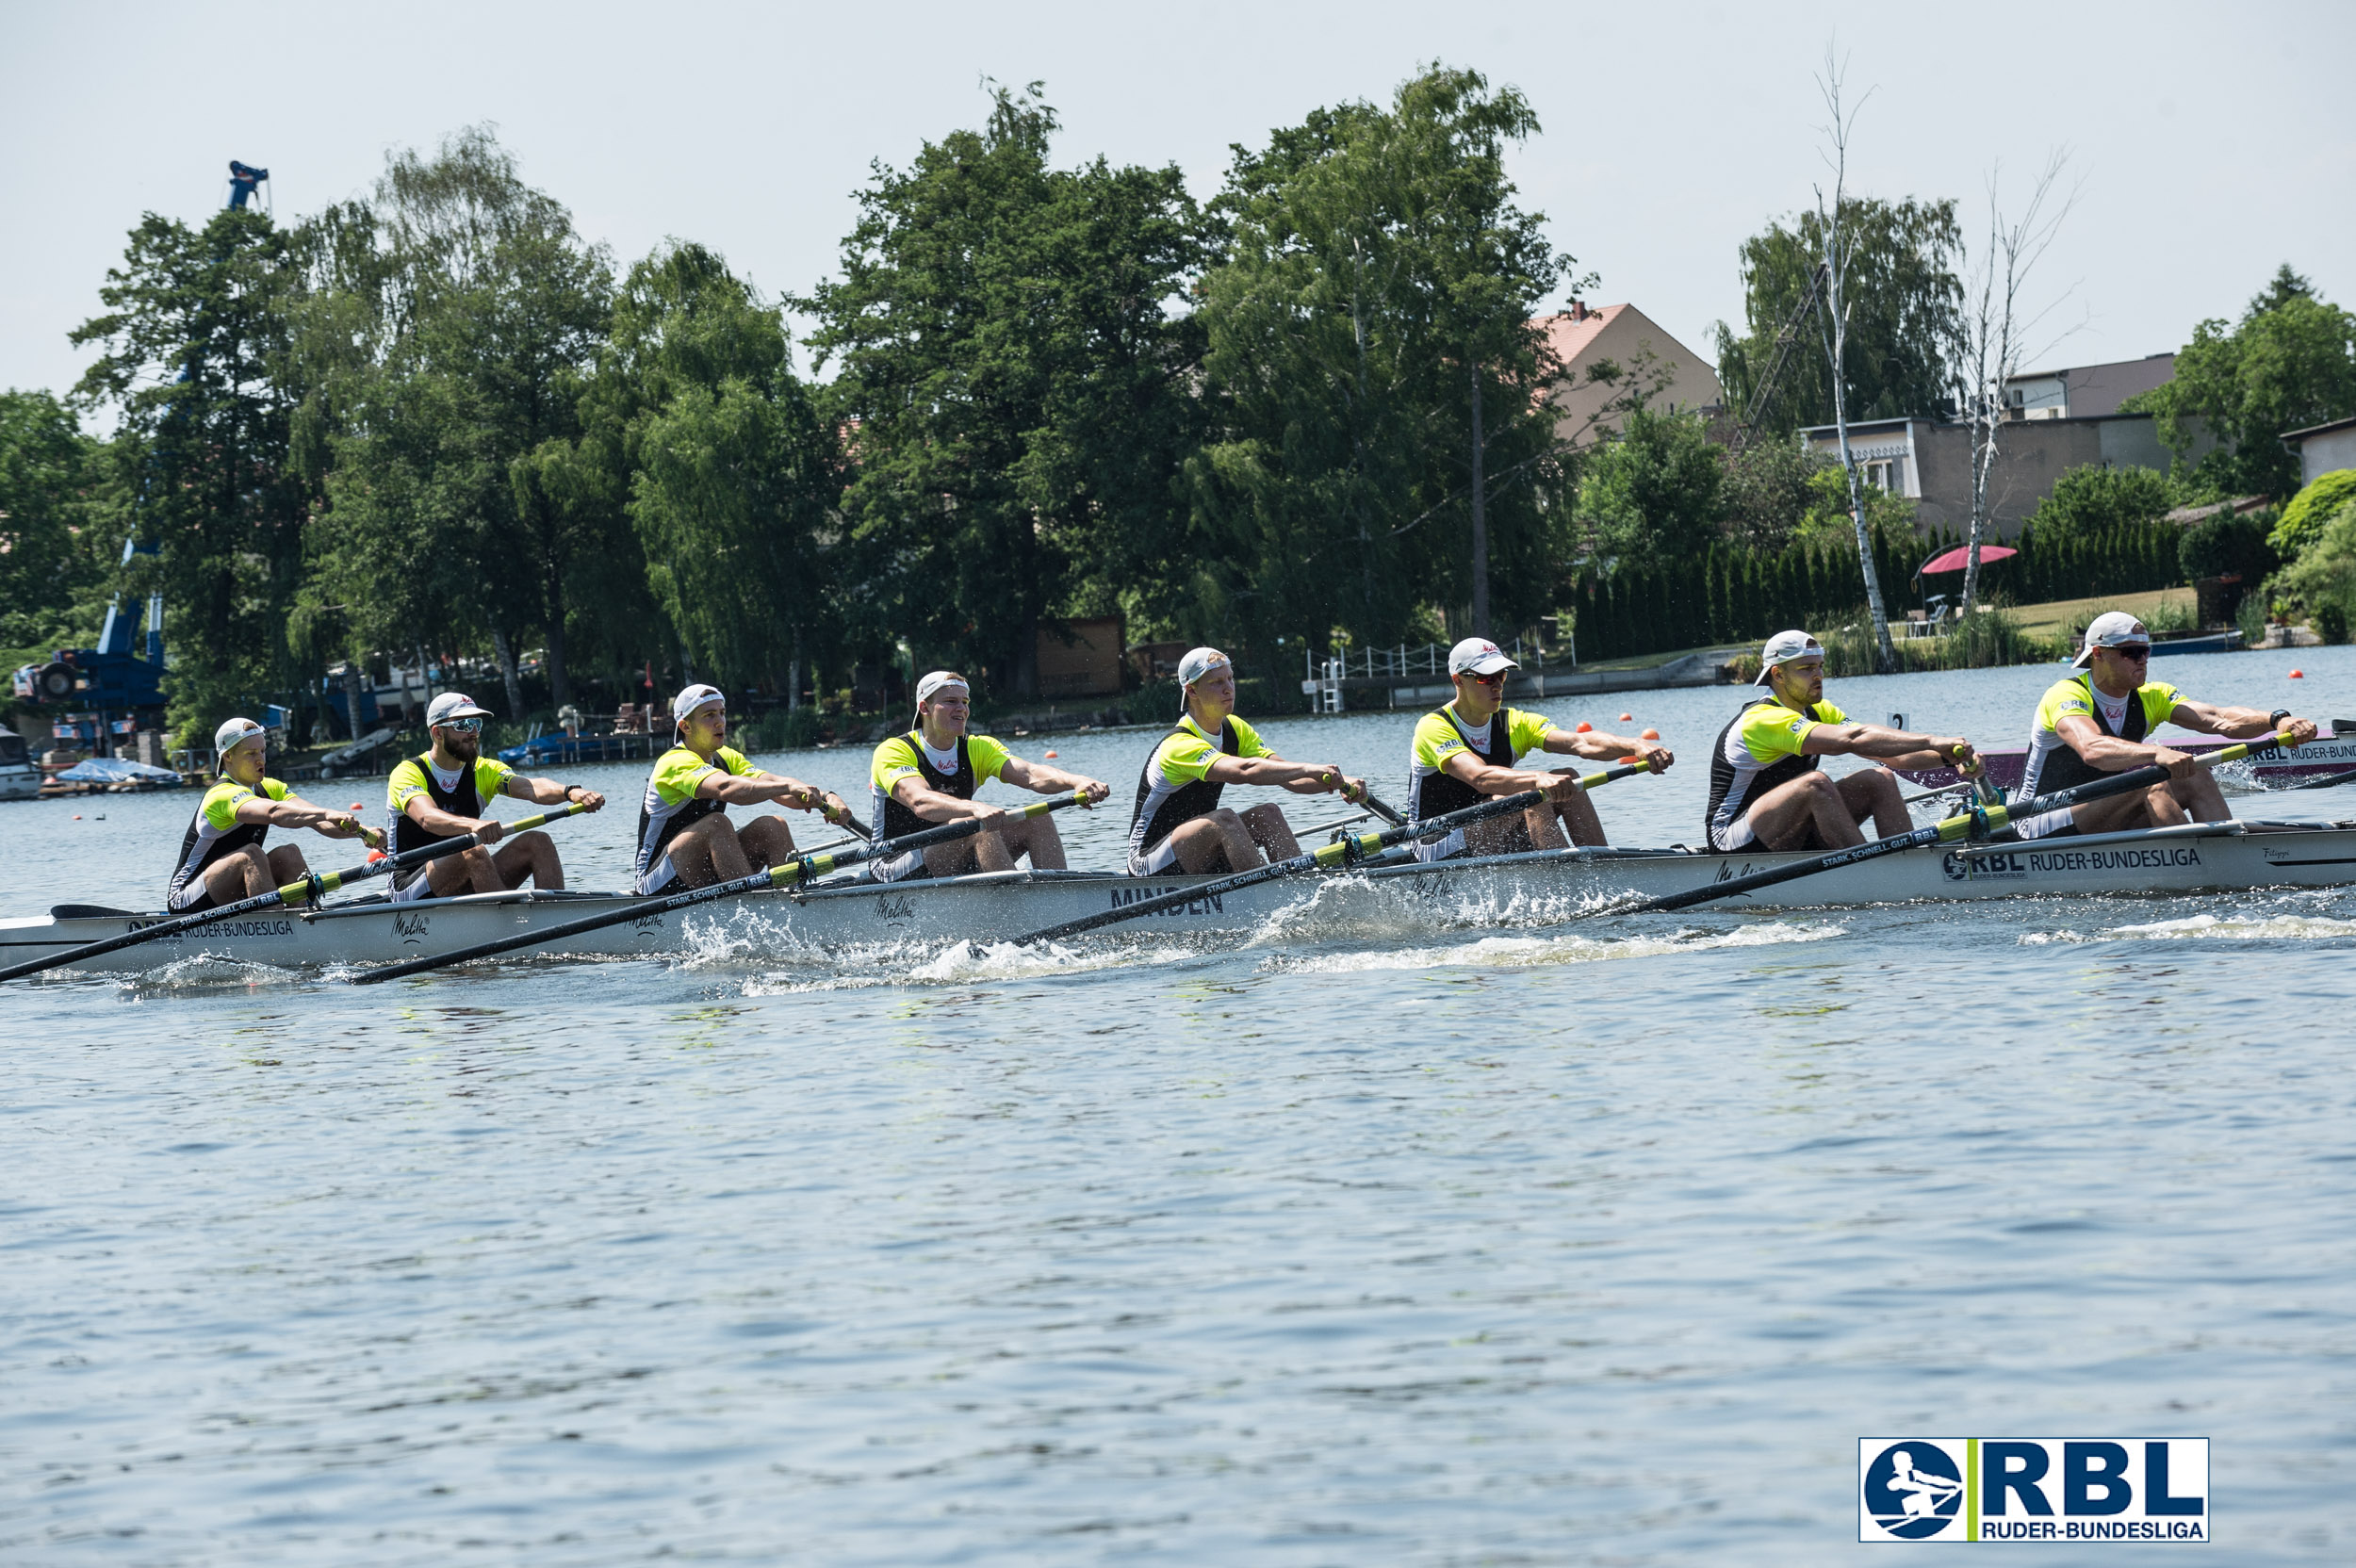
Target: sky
2206	143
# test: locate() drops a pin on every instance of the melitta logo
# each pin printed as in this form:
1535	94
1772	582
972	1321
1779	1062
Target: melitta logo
2032	1489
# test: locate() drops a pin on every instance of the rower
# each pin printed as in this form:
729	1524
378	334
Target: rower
443	793
930	774
221	858
2096	723
1766	785
1178	822
1469	749
685	839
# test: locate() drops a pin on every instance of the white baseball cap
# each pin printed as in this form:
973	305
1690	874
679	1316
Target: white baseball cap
1478	656
2110	631
694	698
1783	647
1197	664
939	678
234	731
452	705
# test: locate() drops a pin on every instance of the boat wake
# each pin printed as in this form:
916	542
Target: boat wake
2240	928
1489	953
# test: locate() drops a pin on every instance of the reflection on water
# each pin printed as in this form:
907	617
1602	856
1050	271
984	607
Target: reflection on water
1368	1240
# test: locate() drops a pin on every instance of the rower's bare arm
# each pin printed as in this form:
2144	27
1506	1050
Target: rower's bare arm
295	811
930	804
547	791
1040	778
2238	724
1896	748
444	825
2107	753
1597	746
1490	779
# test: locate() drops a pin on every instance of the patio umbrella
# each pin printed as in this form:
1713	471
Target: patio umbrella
1957	559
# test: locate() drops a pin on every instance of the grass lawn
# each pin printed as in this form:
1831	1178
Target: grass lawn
2045	620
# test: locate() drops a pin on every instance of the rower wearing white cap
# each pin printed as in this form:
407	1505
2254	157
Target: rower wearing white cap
685	839
929	776
221	857
2096	723
444	793
1178	822
1471	749
1766	784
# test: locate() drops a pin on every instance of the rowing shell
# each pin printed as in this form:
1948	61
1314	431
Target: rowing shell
1523	890
2325	754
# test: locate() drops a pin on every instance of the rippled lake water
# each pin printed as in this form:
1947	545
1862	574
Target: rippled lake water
1593	1245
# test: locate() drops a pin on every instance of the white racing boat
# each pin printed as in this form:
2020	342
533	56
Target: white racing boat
1521	890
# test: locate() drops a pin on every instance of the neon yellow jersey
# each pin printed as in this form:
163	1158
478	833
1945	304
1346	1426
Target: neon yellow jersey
2075	694
409	781
897	757
1770	732
1437	739
221	801
679	770
1185	758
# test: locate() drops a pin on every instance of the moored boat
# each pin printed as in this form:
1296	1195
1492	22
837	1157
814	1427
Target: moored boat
1521	890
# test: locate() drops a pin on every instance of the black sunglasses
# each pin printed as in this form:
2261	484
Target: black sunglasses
2126	650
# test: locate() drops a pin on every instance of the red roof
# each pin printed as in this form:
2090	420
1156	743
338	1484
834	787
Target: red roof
1571	330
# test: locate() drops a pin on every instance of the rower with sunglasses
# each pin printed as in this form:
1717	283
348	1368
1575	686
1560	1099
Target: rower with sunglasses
1469	749
444	794
2096	723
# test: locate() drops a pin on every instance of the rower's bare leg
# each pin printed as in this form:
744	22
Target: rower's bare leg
1036	837
1268	829
957	858
1779	818
471	871
1576	815
1506	834
706	852
528	857
2201	798
241	874
2120	813
1874	794
1201	840
767	841
286	864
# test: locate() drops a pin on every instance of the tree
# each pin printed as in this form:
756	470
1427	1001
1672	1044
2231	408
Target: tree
1769	491
1658	494
481	308
58	531
1904	302
730	476
1016	386
194	348
1840	255
2088	500
2290	363
1373	366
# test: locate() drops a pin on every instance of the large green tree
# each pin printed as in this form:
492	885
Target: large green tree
1380	444
2290	363
1657	492
1904	308
1013	382
478	307
60	529
194	355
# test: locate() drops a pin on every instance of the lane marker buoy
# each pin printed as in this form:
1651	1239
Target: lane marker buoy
1585	727
2299	675
1649	735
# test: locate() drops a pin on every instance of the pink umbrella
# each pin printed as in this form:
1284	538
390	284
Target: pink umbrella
1957	559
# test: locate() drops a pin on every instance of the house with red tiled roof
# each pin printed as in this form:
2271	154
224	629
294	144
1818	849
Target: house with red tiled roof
1584	338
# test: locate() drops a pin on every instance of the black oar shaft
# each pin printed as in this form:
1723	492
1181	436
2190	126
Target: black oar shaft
292	894
800	869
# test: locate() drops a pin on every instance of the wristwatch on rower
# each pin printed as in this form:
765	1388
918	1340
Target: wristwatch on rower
570	788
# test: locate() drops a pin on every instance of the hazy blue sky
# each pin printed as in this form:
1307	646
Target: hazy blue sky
2212	141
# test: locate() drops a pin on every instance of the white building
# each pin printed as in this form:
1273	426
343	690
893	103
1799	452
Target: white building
2323	449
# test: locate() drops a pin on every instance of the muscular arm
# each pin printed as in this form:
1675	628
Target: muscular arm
932	806
2237	724
547	791
1307	779
1040	778
760	784
1600	747
295	811
1892	748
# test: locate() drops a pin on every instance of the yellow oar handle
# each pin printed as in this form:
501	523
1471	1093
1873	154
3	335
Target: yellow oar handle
1595	781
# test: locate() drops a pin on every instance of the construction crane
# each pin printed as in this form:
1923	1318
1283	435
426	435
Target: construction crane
96	694
1762	396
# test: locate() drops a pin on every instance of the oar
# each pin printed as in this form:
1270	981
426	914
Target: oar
1386	813
1979	822
802	868
309	891
2325	782
1331	858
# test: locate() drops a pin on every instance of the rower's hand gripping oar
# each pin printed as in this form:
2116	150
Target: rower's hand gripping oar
1333	856
1979	823
800	869
308	891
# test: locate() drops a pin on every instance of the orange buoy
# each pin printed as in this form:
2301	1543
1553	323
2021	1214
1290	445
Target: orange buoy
77	816
1649	735
357	807
1051	754
2299	675
1585	727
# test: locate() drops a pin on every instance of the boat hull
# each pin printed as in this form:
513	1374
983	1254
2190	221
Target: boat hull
1519	891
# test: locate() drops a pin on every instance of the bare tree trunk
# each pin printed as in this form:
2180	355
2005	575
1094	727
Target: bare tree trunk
793	675
1480	518
503	646
351	695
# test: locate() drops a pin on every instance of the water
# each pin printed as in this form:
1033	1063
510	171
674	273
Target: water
1554	1246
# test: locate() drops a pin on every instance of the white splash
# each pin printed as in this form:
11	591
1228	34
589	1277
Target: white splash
2241	928
1538	952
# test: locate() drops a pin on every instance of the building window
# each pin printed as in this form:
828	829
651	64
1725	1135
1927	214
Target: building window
1882	475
